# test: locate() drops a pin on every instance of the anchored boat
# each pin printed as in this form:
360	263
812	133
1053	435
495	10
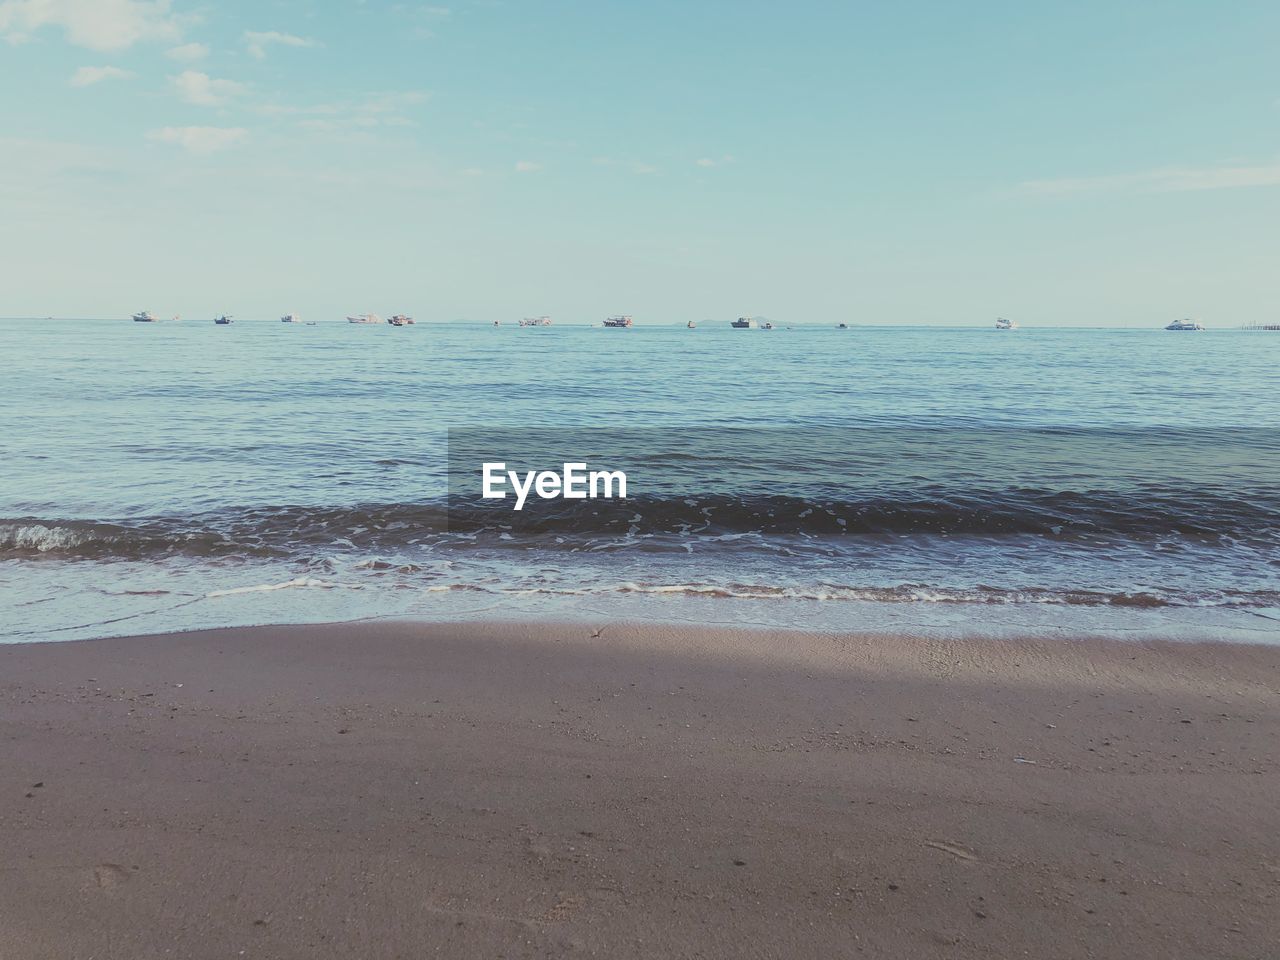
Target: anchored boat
1003	324
536	322
1185	325
744	323
365	318
145	317
223	320
617	321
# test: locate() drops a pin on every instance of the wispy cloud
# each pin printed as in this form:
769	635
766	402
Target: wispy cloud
708	162
258	41
1163	180
104	25
527	166
200	140
204	90
388	108
88	76
188	52
644	169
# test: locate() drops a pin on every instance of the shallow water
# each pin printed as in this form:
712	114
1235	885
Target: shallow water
178	475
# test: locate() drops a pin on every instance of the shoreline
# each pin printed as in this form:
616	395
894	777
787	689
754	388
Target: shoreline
397	787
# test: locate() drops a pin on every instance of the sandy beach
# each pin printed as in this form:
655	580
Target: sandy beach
495	790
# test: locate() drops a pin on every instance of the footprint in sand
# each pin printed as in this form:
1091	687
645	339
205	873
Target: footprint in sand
107	875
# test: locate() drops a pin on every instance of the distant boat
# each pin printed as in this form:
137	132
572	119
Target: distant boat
400	320
365	318
842	326
617	321
744	323
1185	325
291	318
691	325
766	325
223	320
497	323
1003	324
536	322
145	317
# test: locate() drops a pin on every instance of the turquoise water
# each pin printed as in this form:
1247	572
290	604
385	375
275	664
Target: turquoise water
177	475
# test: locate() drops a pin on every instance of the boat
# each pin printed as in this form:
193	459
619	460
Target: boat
223	320
744	323
1185	325
766	325
1003	324
536	322
497	323
365	318
691	325
617	321
842	326
145	317
400	320
291	318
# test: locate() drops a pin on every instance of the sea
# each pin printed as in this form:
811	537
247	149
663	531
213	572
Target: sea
942	481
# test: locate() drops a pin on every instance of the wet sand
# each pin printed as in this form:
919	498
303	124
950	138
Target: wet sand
496	790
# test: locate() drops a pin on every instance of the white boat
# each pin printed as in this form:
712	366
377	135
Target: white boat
766	325
617	321
365	318
146	316
691	325
291	318
536	322
1185	325
1003	324
400	320
744	323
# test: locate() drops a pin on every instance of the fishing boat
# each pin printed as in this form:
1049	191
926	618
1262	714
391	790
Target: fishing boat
145	317
365	318
617	321
1003	324
223	320
842	326
691	325
536	322
400	320
291	318
1185	325
744	323
766	325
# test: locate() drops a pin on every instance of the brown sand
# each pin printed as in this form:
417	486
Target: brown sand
403	790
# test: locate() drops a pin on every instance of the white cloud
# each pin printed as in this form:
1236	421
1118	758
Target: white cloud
88	76
200	140
1164	180
257	42
527	166
708	162
379	109
97	24
188	52
643	169
204	90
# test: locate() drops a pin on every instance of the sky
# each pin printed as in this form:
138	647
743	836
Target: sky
1092	163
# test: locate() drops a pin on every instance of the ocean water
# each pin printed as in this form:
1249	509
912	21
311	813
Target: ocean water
935	480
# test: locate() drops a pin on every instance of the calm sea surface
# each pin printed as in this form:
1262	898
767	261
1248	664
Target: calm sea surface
182	475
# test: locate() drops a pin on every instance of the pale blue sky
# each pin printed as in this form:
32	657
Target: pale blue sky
927	162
